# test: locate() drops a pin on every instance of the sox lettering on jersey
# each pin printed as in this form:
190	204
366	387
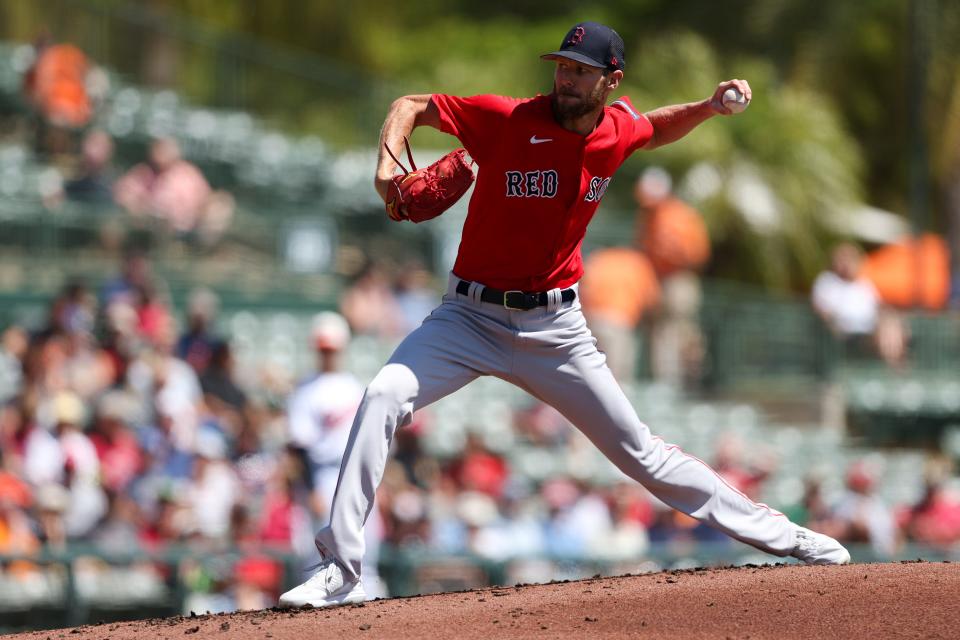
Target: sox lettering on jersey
598	187
532	184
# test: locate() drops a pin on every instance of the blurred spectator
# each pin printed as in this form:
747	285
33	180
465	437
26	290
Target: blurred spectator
911	273
813	511
746	478
320	414
283	521
57	86
370	306
169	385
52	501
119	341
214	489
415	296
72	311
540	424
172	190
514	530
72	356
136	273
849	305
484	525
862	515
17	535
34	451
479	469
627	537
87	501
118	450
935	519
216	218
618	287
256	582
576	517
167	524
93	181
217	380
674	237
14	343
197	344
56	83
13	490
121	529
321	410
419	467
153	314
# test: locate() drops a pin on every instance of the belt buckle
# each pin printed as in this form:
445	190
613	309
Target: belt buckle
517	300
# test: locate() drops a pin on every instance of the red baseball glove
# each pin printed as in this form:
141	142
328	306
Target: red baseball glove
422	194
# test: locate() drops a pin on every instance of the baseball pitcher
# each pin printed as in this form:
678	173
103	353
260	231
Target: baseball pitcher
511	308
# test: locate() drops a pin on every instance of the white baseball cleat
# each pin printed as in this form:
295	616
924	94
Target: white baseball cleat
325	588
816	548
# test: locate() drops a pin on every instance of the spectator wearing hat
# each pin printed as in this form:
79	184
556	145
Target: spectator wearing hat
320	413
121	458
88	503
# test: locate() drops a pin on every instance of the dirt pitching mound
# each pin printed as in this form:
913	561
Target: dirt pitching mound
902	600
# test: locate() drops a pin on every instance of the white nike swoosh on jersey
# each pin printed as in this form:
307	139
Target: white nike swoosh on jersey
535	140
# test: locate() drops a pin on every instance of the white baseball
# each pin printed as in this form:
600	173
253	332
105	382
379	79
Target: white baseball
734	100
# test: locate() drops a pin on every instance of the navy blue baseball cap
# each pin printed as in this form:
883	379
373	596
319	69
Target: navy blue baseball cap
593	44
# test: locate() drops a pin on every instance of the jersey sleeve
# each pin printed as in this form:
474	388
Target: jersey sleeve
639	129
474	120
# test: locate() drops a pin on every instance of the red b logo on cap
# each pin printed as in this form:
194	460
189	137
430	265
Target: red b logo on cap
576	36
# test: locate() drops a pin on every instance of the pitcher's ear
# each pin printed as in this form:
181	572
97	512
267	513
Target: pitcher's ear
614	78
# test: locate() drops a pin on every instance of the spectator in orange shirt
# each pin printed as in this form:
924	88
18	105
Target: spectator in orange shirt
618	286
669	231
57	87
674	236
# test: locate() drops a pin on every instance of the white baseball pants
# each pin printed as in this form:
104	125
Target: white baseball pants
549	352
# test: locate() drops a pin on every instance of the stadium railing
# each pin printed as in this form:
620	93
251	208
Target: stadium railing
83	585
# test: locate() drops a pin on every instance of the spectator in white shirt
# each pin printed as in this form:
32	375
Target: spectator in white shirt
850	306
320	414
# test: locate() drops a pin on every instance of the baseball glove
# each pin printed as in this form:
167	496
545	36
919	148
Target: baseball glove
422	194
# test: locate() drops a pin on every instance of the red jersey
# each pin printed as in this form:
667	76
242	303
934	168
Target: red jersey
538	186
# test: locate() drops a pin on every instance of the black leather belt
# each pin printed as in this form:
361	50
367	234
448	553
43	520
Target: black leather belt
515	300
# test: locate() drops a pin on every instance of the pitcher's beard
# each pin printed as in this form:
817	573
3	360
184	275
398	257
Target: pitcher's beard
565	111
